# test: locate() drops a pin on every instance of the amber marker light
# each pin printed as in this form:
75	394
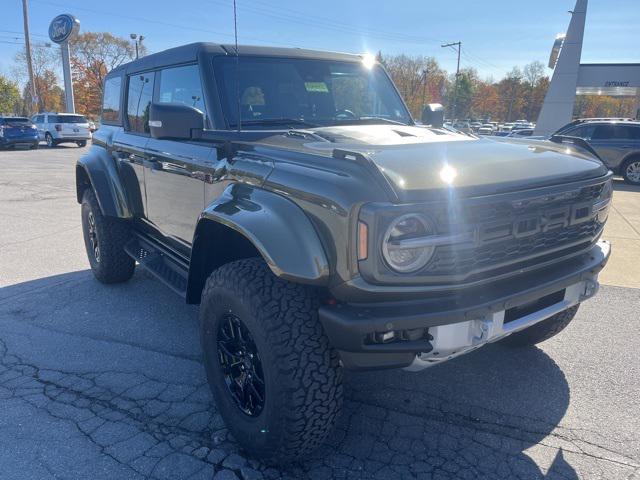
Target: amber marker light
363	241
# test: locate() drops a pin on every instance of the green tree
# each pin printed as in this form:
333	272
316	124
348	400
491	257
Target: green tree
9	96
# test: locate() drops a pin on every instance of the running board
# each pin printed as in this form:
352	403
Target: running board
160	262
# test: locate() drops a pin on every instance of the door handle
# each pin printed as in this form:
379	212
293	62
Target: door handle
202	176
152	164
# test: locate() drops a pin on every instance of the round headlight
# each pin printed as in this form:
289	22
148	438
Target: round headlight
399	257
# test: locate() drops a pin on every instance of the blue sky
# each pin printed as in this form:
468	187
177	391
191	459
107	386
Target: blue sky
496	34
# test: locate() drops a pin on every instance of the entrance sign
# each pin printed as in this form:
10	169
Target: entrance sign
571	78
61	29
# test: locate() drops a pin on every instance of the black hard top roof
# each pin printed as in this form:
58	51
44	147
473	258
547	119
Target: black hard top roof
189	53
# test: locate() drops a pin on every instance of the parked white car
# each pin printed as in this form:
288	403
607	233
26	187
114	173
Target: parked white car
55	128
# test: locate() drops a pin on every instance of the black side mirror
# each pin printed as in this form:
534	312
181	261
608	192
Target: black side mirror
174	121
433	114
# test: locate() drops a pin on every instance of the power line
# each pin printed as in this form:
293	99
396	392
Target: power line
150	21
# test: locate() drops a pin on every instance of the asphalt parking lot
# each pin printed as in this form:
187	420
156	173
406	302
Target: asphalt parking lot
106	381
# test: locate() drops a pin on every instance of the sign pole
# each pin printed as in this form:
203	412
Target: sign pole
61	30
68	83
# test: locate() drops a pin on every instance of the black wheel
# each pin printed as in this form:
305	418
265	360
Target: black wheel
543	330
631	171
82	143
275	378
49	139
104	239
35	146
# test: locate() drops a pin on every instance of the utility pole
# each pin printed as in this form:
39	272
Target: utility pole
424	87
455	88
27	44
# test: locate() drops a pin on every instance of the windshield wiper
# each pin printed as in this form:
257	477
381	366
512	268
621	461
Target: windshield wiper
367	120
276	122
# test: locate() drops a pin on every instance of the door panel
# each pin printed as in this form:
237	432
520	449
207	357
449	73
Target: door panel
175	178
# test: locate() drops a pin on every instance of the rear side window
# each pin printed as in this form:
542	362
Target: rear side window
613	132
181	85
139	101
111	100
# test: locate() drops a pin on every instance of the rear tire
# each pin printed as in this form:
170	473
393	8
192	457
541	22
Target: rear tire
104	239
543	330
301	390
50	141
82	143
35	146
631	171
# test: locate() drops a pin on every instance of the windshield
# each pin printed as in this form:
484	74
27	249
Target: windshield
68	119
307	93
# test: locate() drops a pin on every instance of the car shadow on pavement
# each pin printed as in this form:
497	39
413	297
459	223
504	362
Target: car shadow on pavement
120	364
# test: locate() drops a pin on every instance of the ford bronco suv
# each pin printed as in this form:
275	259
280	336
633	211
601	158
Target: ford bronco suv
290	193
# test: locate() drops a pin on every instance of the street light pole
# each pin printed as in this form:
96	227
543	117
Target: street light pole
455	88
27	44
137	39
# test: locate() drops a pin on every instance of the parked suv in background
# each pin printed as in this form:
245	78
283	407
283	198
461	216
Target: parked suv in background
56	128
17	131
617	142
290	193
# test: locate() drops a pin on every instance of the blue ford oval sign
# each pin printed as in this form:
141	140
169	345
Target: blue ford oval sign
62	27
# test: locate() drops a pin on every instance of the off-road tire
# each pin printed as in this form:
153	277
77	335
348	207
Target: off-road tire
543	330
302	375
113	264
635	161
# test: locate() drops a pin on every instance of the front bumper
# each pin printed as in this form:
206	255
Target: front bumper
472	317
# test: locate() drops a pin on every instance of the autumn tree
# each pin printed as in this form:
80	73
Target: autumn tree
50	95
420	79
9	97
93	55
45	61
486	101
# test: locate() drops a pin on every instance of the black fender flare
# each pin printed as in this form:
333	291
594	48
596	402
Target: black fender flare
100	170
278	228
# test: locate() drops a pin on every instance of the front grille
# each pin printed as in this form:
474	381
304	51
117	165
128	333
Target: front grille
513	231
462	259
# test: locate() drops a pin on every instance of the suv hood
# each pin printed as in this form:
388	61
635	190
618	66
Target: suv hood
417	159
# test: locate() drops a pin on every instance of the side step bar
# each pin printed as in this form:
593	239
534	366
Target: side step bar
160	262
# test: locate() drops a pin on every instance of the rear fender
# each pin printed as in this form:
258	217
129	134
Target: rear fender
97	169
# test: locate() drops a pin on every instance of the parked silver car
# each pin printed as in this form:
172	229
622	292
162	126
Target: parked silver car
56	128
617	142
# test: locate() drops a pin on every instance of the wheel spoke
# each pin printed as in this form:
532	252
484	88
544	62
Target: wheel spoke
241	365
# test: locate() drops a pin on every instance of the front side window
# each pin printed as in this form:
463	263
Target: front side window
139	102
111	100
182	85
306	91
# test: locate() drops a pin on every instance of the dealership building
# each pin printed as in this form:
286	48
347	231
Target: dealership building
571	78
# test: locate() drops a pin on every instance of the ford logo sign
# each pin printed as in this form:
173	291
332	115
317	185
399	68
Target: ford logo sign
63	27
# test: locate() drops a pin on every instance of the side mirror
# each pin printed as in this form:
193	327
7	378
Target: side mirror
433	114
174	121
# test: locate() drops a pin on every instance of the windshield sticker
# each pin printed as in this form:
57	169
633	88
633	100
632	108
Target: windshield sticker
316	87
